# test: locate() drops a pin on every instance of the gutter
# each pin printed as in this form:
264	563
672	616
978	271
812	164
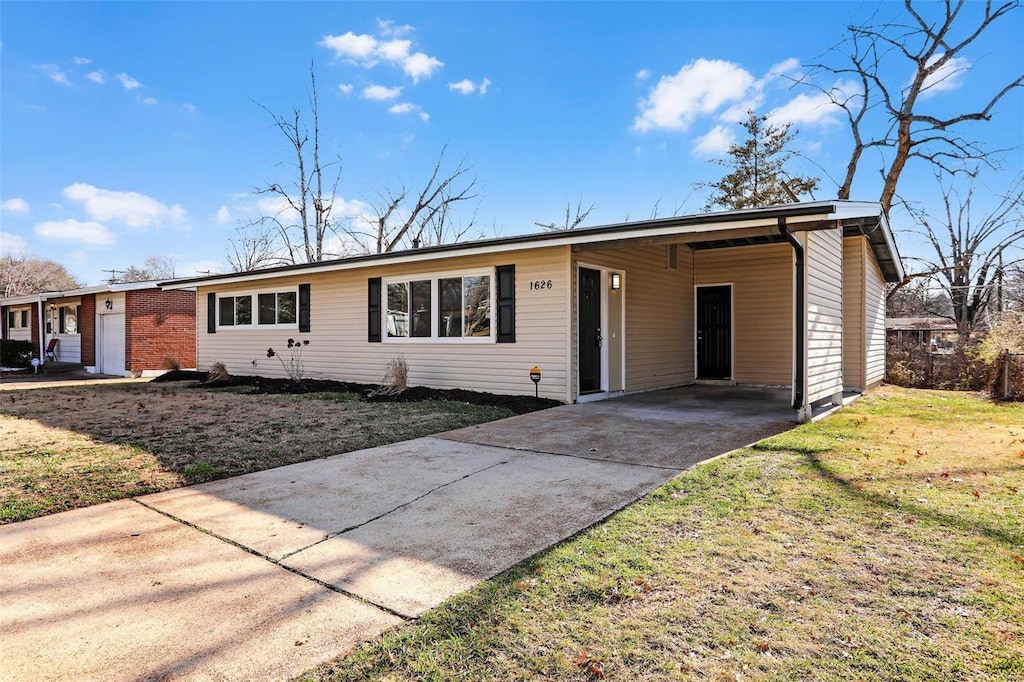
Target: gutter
799	325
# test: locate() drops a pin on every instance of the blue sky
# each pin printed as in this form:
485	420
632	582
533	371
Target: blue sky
132	129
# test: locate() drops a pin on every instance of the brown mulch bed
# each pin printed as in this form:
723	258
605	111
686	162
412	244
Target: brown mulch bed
518	404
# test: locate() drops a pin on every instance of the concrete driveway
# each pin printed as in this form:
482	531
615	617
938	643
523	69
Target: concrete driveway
265	575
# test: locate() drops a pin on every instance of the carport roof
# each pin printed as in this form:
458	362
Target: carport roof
856	218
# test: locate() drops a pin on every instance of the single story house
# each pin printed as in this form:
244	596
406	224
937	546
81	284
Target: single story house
782	296
933	334
116	329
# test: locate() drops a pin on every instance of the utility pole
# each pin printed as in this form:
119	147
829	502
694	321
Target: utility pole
999	285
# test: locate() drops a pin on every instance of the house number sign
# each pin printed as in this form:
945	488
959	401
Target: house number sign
538	284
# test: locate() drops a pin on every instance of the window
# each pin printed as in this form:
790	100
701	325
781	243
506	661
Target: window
235	310
409	309
24	318
67	316
11	319
263	309
277	308
442	307
465	309
17	319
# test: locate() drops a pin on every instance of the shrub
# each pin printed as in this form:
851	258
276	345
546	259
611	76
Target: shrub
395	378
218	372
172	363
15	353
293	366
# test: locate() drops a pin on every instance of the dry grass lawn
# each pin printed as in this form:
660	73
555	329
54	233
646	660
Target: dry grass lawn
883	543
68	447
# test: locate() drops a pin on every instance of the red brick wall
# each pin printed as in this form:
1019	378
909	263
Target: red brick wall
3	321
87	328
159	324
34	325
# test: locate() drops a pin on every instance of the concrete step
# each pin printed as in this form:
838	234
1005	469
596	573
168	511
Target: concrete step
61	367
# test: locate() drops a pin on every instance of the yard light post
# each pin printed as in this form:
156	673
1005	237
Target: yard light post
535	378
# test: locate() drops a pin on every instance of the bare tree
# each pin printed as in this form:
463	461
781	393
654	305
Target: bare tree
23	274
252	248
153	268
970	253
874	60
301	220
573	217
402	214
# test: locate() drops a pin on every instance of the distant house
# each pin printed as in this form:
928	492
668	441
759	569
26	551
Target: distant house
935	334
783	296
115	329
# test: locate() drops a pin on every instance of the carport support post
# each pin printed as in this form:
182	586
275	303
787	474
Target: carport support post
800	404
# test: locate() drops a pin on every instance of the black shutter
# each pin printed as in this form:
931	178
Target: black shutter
506	303
211	313
303	307
373	310
60	328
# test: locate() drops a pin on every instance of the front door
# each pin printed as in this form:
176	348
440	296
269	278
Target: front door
590	331
714	332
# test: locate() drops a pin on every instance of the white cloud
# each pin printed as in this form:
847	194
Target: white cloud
350	46
394	50
76	230
130	208
783	68
224	215
54	73
402	108
381	93
190	108
816	109
346	88
421	65
715	142
96	77
82	61
468	87
464	86
128	82
701	87
367	51
12	243
151	101
390	28
643	74
947	77
15	205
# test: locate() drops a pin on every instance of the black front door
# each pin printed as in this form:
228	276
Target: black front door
714	332
590	330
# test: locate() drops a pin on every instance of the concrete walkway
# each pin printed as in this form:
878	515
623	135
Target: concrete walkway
265	575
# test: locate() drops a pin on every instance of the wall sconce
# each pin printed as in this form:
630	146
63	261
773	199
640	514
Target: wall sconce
108	304
616	281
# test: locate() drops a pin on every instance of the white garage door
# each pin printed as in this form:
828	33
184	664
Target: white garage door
112	350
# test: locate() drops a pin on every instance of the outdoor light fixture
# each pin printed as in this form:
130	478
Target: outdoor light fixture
616	281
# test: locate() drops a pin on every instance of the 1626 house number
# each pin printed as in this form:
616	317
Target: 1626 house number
538	284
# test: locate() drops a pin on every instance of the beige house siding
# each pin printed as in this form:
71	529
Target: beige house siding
338	347
854	344
824	262
658	315
762	299
874	314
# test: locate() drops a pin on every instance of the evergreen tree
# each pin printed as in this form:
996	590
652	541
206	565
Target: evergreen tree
758	175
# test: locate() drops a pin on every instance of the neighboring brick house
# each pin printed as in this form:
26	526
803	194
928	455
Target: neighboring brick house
118	329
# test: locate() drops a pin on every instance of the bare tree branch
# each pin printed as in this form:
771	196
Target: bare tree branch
573	218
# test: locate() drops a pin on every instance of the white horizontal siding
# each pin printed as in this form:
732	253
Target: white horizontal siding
874	316
338	347
69	347
762	279
824	263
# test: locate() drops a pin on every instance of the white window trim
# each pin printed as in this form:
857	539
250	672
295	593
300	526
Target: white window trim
435	307
253	295
17	312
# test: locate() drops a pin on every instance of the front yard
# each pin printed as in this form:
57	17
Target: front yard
69	447
885	542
